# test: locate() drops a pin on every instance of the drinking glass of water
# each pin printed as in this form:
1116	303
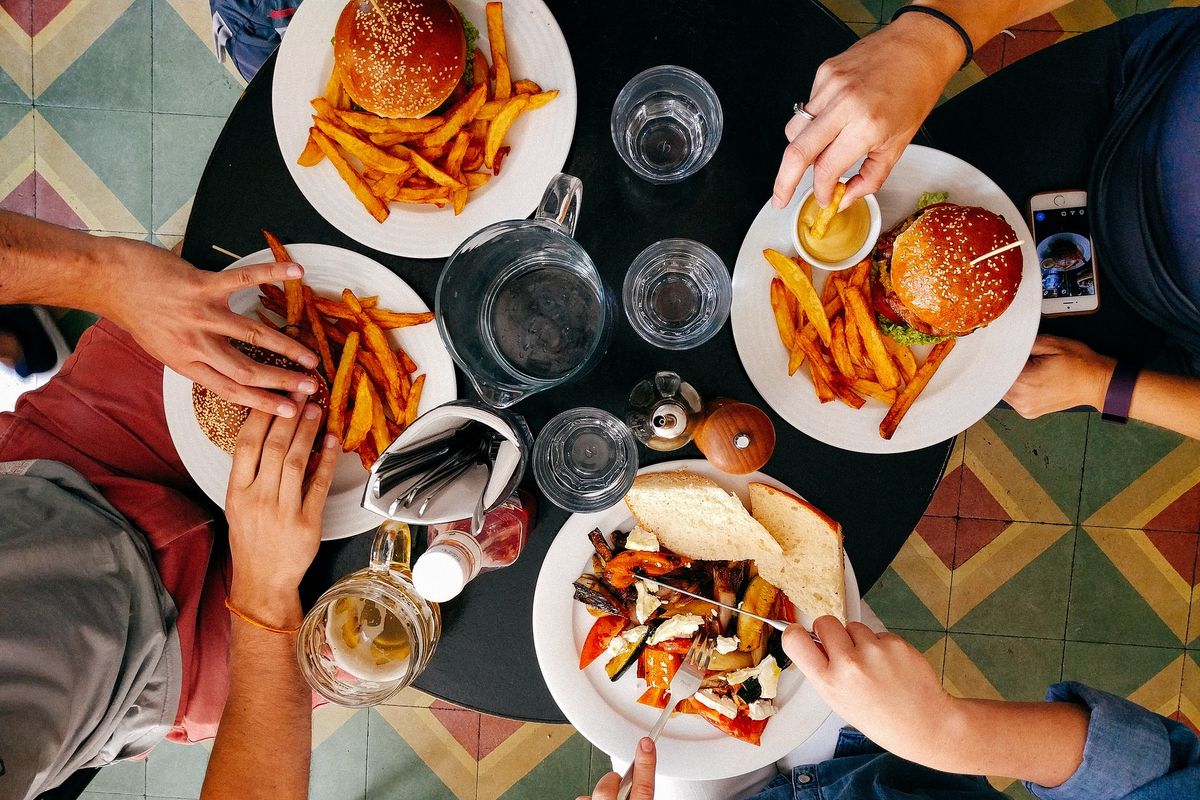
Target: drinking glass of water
677	294
667	123
585	460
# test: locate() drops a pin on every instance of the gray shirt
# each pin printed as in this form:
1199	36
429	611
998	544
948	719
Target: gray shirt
90	666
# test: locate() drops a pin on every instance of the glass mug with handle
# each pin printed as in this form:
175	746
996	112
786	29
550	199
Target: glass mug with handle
520	304
370	634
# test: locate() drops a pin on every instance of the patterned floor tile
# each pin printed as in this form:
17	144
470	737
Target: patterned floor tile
1011	579
535	762
850	11
1149	676
410	696
91	795
177	770
914	592
93	168
1027	42
339	754
417	753
187	77
16	51
1001	667
16	158
601	765
862	29
946	496
1131	587
123	777
93	54
182	144
1189	699
1022	469
1086	15
932	645
1140	476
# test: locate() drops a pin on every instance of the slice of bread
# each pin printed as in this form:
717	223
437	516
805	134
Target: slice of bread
811	571
695	517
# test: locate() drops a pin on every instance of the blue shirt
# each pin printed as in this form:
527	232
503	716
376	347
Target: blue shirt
1130	753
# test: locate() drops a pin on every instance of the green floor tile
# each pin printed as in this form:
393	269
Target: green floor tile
600	765
564	773
10	92
182	144
1123	669
187	77
1017	791
1117	455
10	115
1119	593
339	764
848	11
73	324
394	771
176	770
1018	668
123	777
114	72
899	607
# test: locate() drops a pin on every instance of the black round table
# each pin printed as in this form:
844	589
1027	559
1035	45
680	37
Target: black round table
757	55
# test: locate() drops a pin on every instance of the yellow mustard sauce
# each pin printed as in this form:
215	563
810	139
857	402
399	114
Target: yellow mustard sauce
845	234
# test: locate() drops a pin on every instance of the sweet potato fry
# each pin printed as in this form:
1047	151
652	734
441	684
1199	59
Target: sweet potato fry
369	154
357	185
499	128
495	33
526	86
904	401
394	402
903	357
433	173
369	123
318	328
379	430
406	361
376	341
339	395
783	316
414	400
799	284
384	317
293	290
456	118
360	417
868	326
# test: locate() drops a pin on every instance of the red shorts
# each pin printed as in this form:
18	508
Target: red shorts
103	416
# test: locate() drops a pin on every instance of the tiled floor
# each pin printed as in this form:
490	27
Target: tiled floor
1060	548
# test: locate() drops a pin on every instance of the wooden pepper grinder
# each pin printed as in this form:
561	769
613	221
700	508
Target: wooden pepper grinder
736	437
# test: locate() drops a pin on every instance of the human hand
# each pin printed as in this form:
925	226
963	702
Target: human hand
274	520
180	315
643	777
1061	373
878	683
869	100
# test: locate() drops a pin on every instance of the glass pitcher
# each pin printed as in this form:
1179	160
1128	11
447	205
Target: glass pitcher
370	635
521	306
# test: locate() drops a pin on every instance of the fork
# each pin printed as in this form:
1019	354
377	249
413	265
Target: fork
686	683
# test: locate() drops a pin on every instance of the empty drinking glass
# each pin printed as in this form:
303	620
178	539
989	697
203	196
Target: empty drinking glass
585	459
666	123
677	294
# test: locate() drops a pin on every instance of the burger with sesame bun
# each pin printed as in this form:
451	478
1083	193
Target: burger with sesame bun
222	420
402	58
924	288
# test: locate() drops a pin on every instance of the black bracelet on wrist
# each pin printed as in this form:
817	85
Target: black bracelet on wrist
949	20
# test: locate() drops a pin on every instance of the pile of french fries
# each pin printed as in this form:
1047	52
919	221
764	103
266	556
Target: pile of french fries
436	160
375	389
849	357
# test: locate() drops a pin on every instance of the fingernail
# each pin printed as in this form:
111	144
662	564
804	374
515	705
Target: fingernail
311	411
645	745
331	441
308	387
285	410
294	271
308	360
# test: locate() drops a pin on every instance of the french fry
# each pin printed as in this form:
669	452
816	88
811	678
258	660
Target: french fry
438	197
406	361
874	390
377	343
540	99
458	150
379	430
476	179
369	154
389	184
817	368
434	174
473	159
501	154
526	86
783	316
458	198
860	274
339	395
384	317
904	401
456	118
333	88
868	326
357	185
318	328
827	213
499	127
841	353
903	357
479	69
369	123
293	291
799	284
841	388
360	417
858	353
367	455
495	32
311	155
395	402
796	359
830	289
414	400
326	110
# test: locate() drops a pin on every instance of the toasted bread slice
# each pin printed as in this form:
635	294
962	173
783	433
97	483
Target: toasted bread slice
811	571
693	516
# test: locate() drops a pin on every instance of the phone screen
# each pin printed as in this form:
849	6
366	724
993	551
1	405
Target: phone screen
1064	249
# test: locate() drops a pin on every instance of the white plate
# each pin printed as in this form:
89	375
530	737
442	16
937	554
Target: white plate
973	378
608	713
327	270
540	139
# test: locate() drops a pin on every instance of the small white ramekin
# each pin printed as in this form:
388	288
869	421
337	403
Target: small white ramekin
859	255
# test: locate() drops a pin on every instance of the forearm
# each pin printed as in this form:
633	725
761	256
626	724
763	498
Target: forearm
1169	401
46	264
984	19
264	740
1037	742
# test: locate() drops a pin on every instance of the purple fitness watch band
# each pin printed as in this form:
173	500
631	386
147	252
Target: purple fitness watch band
1120	392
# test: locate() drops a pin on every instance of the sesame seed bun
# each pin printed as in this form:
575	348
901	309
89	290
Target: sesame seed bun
221	420
399	58
933	286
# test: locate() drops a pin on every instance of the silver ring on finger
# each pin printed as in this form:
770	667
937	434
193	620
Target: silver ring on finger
799	109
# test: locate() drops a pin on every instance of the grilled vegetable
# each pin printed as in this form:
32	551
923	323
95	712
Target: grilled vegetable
628	656
621	569
602	632
759	598
658	668
750	691
603	551
727	578
725	662
592	592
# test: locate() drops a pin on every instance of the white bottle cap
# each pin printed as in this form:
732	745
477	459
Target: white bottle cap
440	574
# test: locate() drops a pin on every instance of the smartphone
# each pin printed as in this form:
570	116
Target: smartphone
1061	229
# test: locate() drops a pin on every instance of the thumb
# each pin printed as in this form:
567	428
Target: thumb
806	653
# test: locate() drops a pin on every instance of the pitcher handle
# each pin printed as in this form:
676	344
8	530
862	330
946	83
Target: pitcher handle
392	547
561	201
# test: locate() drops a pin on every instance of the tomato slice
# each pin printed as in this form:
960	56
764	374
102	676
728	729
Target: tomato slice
740	727
879	301
602	632
677	646
659	666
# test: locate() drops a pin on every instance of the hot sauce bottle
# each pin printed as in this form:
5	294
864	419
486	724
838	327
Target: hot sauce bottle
453	557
